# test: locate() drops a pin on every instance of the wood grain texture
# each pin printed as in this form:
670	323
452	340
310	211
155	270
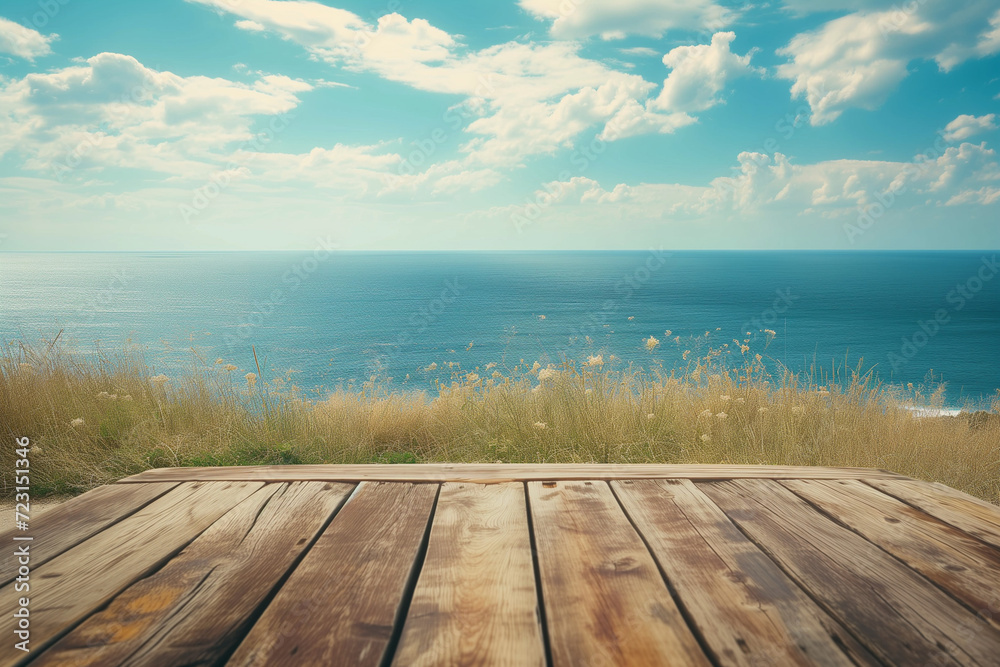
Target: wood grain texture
745	608
475	602
194	609
886	605
962	565
497	473
74	584
972	515
605	600
340	605
73	521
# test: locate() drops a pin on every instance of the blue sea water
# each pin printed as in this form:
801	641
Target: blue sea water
337	318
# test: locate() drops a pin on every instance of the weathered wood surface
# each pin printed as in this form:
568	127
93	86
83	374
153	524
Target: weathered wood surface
963	565
887	606
475	602
76	583
605	600
498	473
76	519
195	609
746	609
340	605
531	565
971	515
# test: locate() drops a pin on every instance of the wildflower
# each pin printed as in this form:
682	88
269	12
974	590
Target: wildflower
433	366
650	416
541	426
229	367
677	339
547	374
798	410
595	360
612	358
218	361
724	397
631	317
534	369
721	415
770	332
668	333
541	317
686	354
758	358
251	379
651	343
159	379
705	437
76	422
472	378
744	348
490	365
36	450
471	343
704	413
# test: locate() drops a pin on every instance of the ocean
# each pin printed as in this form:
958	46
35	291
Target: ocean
338	318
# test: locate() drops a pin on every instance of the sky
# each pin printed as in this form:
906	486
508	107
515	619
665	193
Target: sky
509	125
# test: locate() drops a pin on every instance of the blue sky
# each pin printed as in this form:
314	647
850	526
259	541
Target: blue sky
517	124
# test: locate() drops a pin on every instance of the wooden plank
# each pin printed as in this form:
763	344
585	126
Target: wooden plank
900	616
962	565
475	602
477	473
194	609
72	585
976	517
340	605
605	600
71	522
746	609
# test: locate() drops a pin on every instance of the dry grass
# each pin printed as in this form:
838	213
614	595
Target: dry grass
94	420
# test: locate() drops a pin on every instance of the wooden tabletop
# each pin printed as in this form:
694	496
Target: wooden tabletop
510	564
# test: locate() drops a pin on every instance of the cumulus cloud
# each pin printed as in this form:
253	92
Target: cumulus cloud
17	40
615	19
762	183
966	126
520	99
858	60
112	111
699	75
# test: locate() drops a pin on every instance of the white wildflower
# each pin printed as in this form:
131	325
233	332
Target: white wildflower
721	415
705	437
77	422
541	426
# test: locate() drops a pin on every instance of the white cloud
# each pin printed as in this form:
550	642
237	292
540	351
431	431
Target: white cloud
966	174
966	126
699	75
614	19
17	40
640	51
111	111
858	60
520	99
252	26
